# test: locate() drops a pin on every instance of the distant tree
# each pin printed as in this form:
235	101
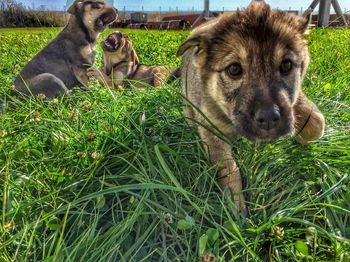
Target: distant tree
13	14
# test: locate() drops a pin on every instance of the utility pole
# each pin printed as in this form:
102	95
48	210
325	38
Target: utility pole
324	11
205	14
206	8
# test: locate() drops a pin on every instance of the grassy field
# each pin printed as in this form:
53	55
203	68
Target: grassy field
107	176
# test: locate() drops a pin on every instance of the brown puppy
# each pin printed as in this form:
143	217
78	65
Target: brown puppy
62	64
242	75
121	64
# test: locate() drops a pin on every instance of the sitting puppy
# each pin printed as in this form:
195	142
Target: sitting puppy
121	64
242	75
62	64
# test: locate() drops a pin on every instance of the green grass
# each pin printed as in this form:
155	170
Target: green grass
103	176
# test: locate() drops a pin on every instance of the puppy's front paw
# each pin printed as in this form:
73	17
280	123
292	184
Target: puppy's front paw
118	87
229	177
310	127
92	72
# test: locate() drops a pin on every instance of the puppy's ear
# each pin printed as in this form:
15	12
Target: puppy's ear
302	23
72	9
133	56
190	42
75	6
199	37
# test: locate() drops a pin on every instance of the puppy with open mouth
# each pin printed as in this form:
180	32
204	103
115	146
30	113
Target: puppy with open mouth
63	63
121	66
241	76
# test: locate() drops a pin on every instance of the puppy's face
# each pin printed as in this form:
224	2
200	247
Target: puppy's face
253	63
118	48
95	14
256	83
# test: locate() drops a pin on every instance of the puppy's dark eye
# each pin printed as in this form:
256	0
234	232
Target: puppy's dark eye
235	71
286	66
96	5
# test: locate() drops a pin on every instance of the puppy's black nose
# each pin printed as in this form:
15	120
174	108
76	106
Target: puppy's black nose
267	118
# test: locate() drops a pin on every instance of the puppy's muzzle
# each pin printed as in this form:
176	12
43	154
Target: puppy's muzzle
106	18
112	42
267	118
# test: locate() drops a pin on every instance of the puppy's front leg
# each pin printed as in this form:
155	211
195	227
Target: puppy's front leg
220	154
118	79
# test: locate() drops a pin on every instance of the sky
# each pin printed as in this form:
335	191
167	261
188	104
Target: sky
184	5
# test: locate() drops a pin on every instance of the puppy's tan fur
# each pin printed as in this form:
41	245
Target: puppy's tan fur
121	66
239	66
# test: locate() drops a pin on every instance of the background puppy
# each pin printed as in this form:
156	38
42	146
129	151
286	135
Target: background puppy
62	64
121	63
242	75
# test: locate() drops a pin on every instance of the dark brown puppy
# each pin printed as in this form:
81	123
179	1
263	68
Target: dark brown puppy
244	72
121	65
62	64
